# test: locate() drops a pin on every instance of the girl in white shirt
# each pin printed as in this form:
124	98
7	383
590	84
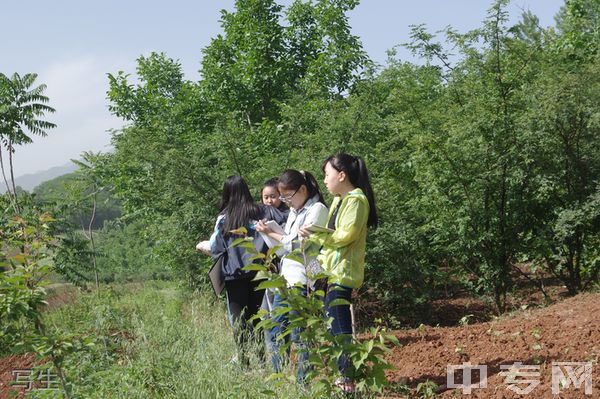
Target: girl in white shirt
300	191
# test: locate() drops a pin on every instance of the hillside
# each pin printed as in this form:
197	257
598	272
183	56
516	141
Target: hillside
30	181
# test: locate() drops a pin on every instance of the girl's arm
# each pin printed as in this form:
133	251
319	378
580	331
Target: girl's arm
285	240
270	213
217	244
317	215
261	227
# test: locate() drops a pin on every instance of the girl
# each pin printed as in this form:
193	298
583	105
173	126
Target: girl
300	191
238	209
269	195
343	251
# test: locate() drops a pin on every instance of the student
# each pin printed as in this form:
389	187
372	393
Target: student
343	251
300	191
238	209
269	195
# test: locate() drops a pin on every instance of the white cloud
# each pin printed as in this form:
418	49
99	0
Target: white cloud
77	90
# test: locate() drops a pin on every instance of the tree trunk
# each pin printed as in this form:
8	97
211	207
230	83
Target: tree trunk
91	234
63	380
8	189
12	176
499	303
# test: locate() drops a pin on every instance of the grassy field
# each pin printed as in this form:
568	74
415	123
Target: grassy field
157	340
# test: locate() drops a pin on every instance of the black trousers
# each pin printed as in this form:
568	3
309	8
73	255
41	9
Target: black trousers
243	302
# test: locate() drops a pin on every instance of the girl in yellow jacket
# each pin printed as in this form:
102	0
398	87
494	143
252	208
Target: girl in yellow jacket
343	251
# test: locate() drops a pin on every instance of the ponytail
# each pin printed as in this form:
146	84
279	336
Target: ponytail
364	183
312	186
356	170
293	179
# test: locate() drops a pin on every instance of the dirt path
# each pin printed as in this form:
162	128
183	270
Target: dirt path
565	332
15	369
61	294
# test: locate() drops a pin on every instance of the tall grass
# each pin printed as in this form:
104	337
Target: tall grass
156	340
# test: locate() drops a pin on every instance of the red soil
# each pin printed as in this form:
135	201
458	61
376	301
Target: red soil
8	367
568	331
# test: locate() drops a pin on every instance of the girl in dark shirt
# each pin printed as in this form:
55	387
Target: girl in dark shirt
237	210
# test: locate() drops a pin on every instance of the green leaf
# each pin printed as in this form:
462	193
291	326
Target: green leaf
271	284
259	255
254	267
239	231
338	302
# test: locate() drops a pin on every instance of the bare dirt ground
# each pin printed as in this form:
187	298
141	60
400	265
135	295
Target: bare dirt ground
15	369
61	294
568	331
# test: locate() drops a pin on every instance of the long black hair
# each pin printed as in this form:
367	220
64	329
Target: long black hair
292	179
237	204
356	170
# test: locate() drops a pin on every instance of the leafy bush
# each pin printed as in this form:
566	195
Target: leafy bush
324	349
26	253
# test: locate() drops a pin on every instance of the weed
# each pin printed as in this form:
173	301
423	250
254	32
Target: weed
466	320
427	389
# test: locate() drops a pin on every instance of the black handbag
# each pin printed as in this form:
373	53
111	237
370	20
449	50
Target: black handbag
216	275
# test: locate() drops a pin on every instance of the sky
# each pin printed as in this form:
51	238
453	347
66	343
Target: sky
72	45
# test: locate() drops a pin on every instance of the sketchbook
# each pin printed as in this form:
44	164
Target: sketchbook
277	229
216	275
314	228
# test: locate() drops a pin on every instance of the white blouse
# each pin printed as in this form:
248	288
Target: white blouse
313	212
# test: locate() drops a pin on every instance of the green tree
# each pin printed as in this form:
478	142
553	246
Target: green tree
61	191
148	102
563	121
245	70
468	153
165	159
578	22
184	138
325	56
92	185
21	109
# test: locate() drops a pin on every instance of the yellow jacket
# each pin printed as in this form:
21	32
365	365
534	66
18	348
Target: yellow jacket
343	252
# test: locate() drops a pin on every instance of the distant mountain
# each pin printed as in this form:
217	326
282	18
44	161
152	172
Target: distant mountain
30	181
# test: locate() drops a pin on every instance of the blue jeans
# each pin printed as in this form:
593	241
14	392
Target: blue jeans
274	335
342	321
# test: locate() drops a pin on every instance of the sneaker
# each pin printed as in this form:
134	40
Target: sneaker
346	385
